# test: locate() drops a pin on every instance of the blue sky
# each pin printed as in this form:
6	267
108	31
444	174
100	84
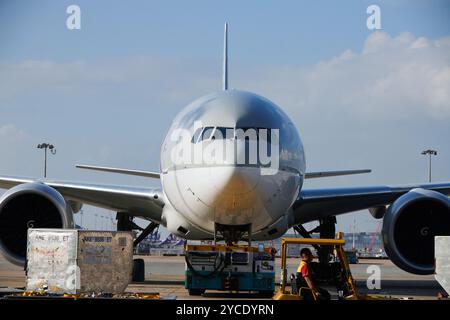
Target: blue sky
106	94
298	32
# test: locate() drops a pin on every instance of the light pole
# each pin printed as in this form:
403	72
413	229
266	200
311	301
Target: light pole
429	152
52	149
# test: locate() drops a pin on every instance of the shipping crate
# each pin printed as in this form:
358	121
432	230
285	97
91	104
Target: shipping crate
78	261
442	261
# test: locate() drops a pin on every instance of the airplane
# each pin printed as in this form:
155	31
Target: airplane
241	197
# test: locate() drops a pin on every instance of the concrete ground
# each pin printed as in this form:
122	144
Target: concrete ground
166	275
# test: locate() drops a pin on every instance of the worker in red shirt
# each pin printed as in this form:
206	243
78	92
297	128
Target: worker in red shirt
305	273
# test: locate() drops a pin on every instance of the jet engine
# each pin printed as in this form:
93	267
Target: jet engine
29	205
410	225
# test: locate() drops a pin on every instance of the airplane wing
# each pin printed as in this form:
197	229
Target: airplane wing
139	173
142	202
316	204
324	174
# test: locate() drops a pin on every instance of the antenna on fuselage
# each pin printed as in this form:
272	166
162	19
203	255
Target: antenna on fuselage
225	57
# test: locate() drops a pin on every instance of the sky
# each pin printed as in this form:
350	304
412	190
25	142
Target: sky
106	94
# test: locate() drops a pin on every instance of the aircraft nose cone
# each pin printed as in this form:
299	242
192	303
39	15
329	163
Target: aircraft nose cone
234	181
236	193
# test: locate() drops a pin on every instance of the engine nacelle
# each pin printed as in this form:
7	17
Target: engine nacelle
378	212
29	205
409	228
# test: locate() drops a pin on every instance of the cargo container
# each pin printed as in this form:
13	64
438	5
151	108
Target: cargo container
78	261
442	256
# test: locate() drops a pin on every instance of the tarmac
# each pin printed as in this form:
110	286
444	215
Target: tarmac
165	275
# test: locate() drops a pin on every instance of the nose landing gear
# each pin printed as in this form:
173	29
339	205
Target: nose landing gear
232	234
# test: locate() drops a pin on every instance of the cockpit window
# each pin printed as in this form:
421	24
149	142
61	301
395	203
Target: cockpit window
250	133
264	134
202	134
206	133
224	133
196	135
246	133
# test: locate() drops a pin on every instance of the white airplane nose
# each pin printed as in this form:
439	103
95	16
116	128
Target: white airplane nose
234	180
235	193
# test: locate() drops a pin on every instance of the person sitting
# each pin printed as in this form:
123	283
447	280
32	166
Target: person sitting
306	277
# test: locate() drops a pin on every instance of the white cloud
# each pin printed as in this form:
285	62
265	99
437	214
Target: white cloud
390	77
